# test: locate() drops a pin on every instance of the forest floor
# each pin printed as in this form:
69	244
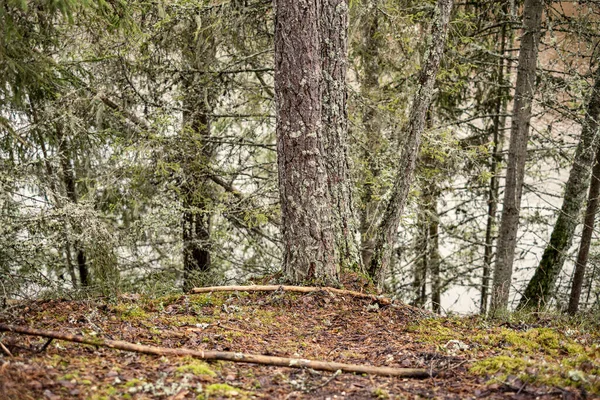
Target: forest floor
474	358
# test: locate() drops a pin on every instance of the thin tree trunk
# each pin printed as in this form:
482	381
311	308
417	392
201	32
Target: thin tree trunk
334	57
387	230
541	286
369	87
422	263
71	190
496	159
586	238
517	154
434	254
307	219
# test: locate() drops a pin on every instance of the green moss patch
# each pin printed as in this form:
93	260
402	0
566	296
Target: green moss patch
197	368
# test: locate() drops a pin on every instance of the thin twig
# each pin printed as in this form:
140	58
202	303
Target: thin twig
5	350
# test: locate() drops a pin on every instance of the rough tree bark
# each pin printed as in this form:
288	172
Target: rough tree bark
517	154
541	285
306	207
334	56
586	238
387	230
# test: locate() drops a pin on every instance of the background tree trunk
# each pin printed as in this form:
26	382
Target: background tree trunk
198	55
369	87
71	191
586	238
517	154
387	230
495	160
542	283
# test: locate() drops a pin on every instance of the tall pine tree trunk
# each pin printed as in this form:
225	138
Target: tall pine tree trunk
386	235
517	154
308	222
541	285
334	56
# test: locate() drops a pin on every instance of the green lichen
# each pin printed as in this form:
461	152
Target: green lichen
133	382
222	390
500	364
433	331
197	368
380	393
130	312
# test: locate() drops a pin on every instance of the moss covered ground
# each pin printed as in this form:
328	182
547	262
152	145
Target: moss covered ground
536	356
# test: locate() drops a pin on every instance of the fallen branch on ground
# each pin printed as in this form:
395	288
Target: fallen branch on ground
299	289
223	355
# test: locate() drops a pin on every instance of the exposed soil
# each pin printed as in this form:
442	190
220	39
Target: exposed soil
317	326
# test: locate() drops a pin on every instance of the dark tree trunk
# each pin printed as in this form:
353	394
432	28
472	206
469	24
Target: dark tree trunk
369	86
540	287
517	154
196	158
195	191
387	231
71	191
308	223
422	262
334	57
586	238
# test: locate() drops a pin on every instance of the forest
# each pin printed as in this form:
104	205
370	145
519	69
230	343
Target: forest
259	198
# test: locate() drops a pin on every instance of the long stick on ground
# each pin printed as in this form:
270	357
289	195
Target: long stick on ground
223	355
299	289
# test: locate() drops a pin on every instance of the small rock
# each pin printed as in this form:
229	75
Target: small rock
456	345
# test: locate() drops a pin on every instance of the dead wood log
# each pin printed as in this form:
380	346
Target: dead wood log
224	355
298	289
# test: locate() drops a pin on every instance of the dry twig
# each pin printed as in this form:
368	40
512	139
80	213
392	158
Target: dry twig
298	289
224	355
